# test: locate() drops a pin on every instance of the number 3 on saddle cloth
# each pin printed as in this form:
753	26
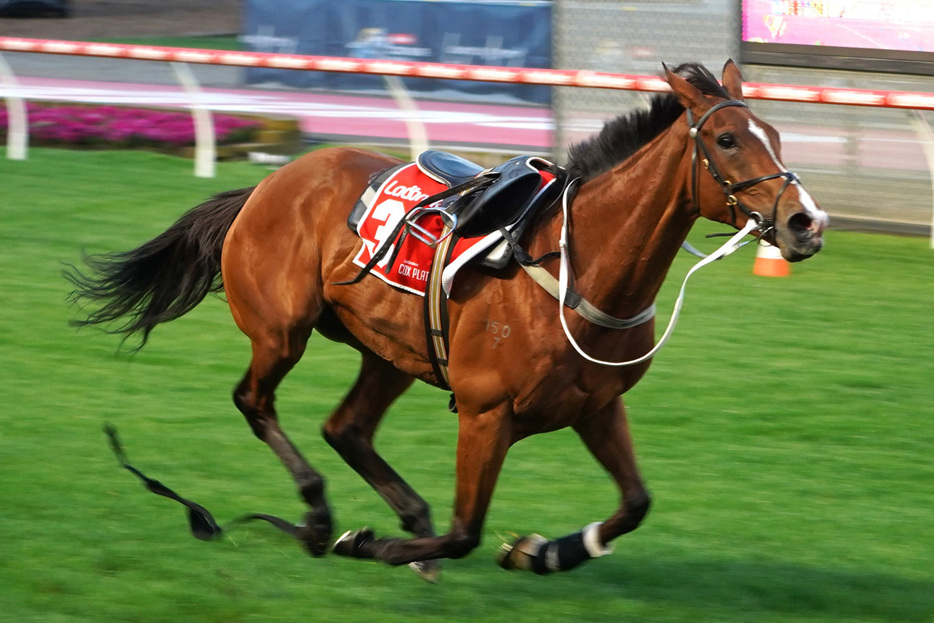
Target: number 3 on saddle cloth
420	222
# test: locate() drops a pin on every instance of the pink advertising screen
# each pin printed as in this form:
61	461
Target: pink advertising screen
885	35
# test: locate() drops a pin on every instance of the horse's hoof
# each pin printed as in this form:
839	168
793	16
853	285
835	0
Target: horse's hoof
428	570
520	553
354	543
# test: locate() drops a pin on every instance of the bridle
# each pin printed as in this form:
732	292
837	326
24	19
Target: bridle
766	224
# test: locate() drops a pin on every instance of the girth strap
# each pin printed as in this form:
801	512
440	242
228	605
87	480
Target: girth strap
436	310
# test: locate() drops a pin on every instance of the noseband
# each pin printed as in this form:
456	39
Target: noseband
766	225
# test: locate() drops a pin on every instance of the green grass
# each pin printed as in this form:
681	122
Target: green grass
785	432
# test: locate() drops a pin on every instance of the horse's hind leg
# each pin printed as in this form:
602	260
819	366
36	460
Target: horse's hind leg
350	432
482	443
254	396
606	435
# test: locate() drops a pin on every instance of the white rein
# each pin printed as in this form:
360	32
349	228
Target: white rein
564	278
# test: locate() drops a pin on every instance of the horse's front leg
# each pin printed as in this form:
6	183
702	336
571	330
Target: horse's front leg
606	435
483	440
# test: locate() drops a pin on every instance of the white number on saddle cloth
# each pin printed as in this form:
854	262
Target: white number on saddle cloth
389	212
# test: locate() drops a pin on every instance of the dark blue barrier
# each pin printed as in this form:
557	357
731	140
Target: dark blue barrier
511	34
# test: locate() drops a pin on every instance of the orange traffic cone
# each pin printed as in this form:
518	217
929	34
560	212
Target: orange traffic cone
769	261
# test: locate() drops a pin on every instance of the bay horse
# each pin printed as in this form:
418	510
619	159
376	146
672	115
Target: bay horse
281	249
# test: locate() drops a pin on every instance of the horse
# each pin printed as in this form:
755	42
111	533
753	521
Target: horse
282	254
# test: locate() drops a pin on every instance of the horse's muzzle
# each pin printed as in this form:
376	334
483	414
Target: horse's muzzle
802	234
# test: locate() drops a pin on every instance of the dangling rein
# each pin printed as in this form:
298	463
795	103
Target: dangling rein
202	523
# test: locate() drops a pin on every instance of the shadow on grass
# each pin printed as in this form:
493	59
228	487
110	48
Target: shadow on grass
750	589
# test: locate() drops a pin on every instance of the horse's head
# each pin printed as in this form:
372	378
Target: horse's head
736	169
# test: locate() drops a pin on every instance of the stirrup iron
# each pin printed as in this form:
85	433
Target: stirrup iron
420	233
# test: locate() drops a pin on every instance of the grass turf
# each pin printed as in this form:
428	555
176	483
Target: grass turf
785	432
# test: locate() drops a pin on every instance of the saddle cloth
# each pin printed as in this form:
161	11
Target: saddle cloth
391	195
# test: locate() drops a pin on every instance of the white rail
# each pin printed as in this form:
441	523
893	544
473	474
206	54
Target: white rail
392	70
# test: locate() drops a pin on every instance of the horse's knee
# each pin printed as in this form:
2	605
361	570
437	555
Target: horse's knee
343	439
347	442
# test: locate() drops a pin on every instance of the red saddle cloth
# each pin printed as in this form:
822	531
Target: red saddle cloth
409	271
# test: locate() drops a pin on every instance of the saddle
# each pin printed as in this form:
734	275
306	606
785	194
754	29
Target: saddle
476	201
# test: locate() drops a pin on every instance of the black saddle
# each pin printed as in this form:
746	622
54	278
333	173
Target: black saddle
449	169
515	185
500	201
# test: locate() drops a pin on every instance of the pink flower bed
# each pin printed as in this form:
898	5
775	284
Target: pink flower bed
112	126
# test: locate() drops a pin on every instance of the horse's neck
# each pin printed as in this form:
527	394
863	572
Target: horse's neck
628	223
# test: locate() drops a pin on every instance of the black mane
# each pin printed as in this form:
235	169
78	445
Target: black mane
623	136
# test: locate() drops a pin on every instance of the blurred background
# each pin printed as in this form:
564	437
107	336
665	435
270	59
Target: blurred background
868	165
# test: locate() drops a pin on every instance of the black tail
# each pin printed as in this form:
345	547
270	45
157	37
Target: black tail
162	279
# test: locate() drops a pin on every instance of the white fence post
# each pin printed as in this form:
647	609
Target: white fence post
927	143
17	137
418	135
205	145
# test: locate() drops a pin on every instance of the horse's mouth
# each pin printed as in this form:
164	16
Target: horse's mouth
796	254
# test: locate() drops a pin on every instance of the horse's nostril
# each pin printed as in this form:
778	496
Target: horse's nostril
800	223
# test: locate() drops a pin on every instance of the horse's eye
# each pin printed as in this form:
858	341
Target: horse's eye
726	141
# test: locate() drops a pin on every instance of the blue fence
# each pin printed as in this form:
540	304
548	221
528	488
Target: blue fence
512	34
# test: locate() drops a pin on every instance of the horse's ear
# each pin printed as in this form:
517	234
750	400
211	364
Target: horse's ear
733	80
689	95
